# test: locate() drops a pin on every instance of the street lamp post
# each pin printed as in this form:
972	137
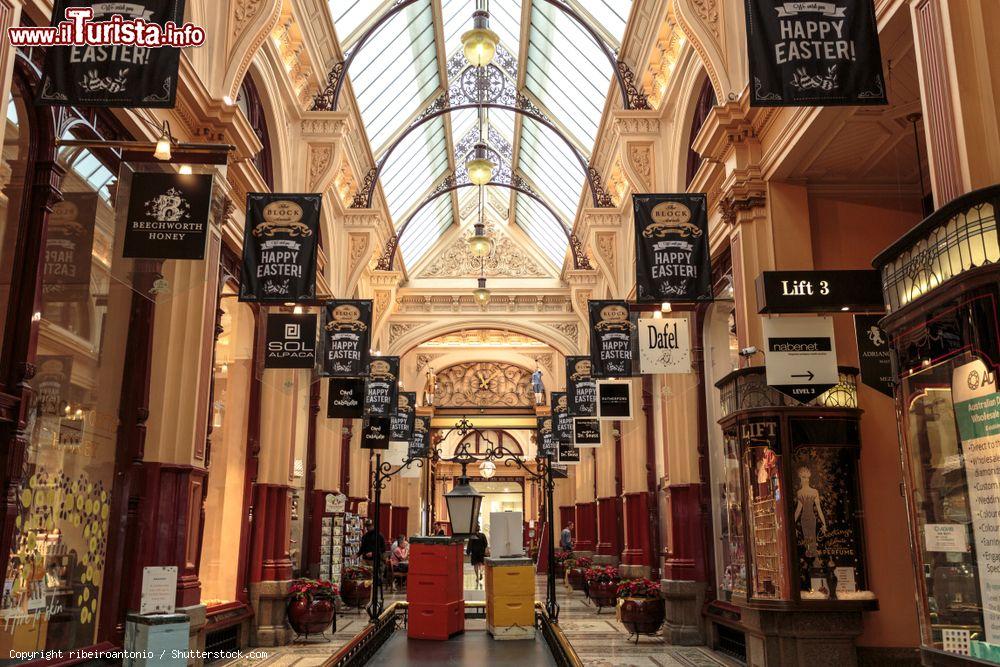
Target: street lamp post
383	472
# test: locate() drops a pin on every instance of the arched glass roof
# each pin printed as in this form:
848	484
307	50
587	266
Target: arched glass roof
416	56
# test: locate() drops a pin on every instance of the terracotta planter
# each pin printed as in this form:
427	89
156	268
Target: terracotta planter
312	616
641	616
356	593
603	595
574	578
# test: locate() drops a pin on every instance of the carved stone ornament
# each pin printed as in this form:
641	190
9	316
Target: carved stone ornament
508	259
484	384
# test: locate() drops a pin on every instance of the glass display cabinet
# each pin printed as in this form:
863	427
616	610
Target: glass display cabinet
799	496
941	283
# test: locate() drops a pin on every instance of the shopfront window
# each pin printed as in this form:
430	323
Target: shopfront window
721	359
55	571
13	166
952	436
224	512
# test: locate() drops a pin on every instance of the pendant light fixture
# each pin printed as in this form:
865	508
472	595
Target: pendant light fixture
162	151
480	43
481	293
480	245
480	166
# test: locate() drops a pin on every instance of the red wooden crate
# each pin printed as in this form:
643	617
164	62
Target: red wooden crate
433	588
435	621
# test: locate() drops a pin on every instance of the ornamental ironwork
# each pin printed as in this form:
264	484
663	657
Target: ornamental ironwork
484	384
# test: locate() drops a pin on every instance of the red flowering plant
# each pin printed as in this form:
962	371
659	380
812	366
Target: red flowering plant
313	589
580	561
639	588
607	574
355	572
562	555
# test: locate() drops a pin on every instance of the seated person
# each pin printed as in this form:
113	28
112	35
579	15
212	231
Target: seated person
400	555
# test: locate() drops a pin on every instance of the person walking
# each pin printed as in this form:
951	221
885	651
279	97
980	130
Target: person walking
566	537
373	548
477	548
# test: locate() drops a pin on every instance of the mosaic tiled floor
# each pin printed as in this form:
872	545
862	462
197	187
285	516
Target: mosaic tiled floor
599	640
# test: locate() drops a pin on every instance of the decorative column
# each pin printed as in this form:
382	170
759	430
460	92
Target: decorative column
585	513
959	73
609	503
638	549
270	562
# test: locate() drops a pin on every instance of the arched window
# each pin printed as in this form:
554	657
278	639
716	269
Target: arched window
248	100
480	441
706	100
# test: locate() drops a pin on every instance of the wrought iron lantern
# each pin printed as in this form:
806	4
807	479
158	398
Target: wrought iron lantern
463	508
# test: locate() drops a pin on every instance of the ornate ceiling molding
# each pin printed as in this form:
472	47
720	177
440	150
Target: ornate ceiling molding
508	260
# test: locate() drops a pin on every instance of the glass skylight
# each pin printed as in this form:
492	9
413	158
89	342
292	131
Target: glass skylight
542	227
419	161
425	228
551	166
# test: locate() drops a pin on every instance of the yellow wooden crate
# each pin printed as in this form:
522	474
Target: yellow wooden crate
511	610
502	581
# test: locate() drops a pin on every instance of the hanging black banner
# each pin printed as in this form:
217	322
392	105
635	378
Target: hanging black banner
586	432
566	453
814	53
167	216
544	437
69	245
873	354
403	418
420	443
562	423
291	341
120	76
347	329
375	434
51	383
279	247
614	400
345	398
672	257
383	387
611	344
581	389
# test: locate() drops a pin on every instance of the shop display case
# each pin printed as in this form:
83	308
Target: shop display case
801	543
942	284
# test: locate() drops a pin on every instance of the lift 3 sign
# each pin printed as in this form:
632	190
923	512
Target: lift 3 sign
801	357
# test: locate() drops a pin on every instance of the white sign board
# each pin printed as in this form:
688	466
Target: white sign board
506	534
946	537
159	590
800	356
664	345
335	502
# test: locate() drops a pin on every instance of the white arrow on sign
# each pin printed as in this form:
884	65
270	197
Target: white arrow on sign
800	355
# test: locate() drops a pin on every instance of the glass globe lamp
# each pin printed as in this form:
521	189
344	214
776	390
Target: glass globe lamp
480	166
480	43
480	244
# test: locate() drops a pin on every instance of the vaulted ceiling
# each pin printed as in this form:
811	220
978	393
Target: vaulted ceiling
408	73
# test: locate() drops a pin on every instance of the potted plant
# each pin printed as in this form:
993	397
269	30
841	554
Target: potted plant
575	567
561	557
602	585
357	585
640	607
311	606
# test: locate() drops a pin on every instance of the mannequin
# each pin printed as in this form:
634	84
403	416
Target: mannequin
537	387
430	384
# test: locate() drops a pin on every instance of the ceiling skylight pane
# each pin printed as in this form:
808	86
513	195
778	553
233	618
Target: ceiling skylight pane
395	72
425	229
503	121
542	228
462	122
567	71
551	166
505	21
413	167
611	15
348	15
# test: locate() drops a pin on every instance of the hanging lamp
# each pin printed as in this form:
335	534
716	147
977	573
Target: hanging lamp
480	166
480	43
